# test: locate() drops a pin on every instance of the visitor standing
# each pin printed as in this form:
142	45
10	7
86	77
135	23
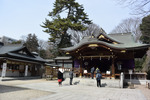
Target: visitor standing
92	72
98	79
60	77
71	76
97	70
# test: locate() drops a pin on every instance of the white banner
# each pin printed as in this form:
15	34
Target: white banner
4	69
26	70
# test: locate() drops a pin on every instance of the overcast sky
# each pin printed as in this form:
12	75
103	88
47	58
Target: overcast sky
18	18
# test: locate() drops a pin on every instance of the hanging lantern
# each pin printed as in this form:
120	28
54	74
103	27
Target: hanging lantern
100	58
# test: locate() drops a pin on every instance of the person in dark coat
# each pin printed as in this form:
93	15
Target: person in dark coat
60	77
71	76
92	72
98	79
97	70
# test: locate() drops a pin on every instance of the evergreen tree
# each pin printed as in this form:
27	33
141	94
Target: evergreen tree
75	19
32	43
145	29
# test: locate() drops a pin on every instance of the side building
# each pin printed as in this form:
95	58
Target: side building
17	60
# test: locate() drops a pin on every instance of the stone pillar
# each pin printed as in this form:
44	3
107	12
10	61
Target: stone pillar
113	68
4	68
26	70
121	80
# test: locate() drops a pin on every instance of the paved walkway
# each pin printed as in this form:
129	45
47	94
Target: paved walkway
78	91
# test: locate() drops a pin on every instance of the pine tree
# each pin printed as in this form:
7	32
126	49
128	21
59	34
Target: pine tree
75	19
32	43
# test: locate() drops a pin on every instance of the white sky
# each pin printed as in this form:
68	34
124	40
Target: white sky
18	18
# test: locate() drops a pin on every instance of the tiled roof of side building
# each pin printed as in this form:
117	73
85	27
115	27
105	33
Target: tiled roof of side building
11	50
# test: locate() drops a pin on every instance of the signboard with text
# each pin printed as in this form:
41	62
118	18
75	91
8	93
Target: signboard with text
4	69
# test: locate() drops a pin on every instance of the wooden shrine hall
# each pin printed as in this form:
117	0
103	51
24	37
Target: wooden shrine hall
17	60
112	53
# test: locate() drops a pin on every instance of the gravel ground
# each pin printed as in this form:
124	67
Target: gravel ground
10	91
144	90
23	95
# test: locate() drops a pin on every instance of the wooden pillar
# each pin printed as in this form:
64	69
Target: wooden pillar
80	67
72	64
113	67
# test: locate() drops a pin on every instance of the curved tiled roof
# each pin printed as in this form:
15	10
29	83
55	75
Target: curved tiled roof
125	42
12	52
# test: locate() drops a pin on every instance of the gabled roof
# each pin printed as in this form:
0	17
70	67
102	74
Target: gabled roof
13	51
119	41
109	37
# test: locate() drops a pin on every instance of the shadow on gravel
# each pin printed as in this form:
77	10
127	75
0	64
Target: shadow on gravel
5	89
20	78
103	84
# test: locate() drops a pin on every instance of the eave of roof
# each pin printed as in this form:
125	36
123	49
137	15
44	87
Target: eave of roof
21	60
53	65
63	58
38	59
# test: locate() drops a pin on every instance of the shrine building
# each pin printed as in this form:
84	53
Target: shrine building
114	53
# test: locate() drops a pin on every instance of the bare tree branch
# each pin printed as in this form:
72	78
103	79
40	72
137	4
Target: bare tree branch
129	25
76	36
138	7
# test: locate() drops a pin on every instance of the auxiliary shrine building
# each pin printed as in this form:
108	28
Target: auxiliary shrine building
112	53
17	60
